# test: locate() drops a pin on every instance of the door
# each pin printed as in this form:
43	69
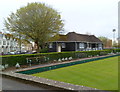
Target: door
59	48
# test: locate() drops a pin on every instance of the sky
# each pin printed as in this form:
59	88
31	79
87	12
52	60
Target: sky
97	17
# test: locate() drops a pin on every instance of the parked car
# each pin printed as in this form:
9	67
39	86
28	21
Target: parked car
18	52
21	52
33	52
12	52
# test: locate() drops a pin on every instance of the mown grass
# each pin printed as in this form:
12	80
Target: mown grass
101	74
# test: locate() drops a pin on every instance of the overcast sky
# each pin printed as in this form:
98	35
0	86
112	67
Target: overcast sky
98	17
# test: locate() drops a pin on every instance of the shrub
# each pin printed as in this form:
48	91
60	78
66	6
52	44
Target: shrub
48	57
45	50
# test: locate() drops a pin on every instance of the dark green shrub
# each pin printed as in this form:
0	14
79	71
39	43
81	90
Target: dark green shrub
49	57
45	50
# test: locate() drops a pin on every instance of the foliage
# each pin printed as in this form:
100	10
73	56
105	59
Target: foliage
37	22
44	50
51	57
107	43
115	44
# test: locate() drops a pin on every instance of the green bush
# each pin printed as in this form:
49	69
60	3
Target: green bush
45	50
48	57
116	50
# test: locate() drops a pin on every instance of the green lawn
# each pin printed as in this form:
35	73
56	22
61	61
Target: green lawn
101	74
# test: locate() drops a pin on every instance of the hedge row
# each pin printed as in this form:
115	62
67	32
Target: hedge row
24	59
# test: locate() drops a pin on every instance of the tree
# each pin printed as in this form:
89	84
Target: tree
115	44
107	43
37	22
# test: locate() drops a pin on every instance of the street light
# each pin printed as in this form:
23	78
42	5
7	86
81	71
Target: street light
114	36
20	42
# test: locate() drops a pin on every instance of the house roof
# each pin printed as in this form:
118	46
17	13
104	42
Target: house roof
72	36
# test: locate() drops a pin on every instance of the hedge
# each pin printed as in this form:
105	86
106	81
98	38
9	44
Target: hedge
11	60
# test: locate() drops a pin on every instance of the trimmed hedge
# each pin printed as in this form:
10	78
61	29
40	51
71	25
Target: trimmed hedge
51	57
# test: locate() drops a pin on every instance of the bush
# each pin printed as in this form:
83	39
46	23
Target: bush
45	50
48	57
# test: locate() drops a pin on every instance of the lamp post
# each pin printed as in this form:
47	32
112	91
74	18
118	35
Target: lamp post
114	36
20	42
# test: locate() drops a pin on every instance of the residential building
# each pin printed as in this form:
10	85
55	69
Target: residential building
75	42
7	43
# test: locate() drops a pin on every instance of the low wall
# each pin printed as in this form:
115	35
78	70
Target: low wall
43	81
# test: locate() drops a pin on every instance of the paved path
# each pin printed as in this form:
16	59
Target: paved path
14	84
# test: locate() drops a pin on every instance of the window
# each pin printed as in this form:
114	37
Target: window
63	45
0	42
0	35
4	42
81	45
100	45
7	42
50	45
11	43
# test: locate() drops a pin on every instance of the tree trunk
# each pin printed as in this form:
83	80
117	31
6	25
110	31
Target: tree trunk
43	46
38	47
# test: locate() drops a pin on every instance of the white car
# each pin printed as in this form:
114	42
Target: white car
12	52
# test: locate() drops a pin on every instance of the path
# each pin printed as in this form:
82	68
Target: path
19	85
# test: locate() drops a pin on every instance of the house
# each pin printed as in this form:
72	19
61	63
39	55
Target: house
75	42
8	43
